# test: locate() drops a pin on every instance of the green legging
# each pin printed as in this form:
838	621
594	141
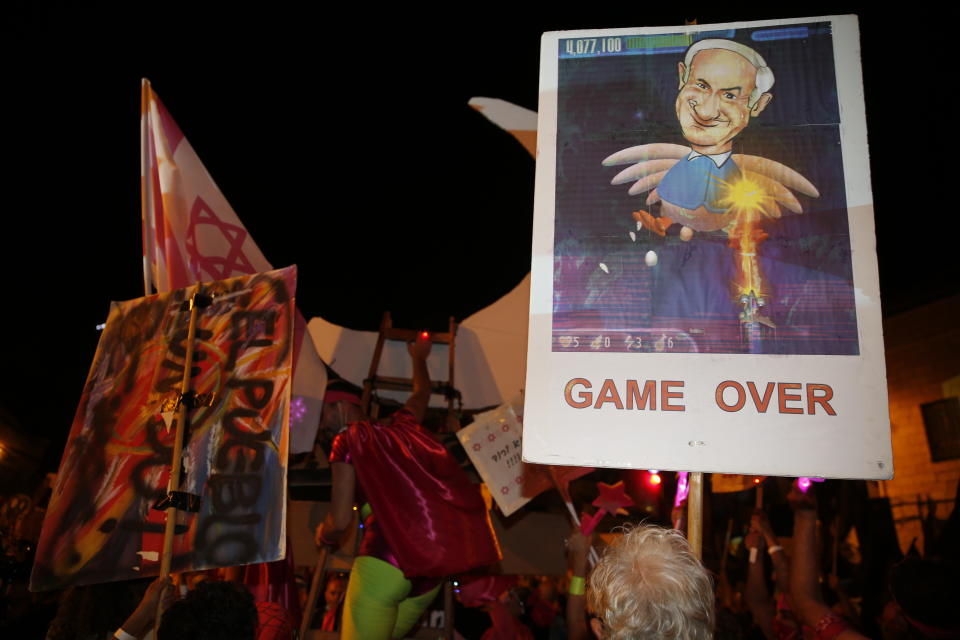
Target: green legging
377	606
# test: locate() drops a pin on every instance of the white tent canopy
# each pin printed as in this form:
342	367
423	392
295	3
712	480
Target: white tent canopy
491	352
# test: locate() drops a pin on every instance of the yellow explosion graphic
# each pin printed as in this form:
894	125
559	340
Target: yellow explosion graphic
746	200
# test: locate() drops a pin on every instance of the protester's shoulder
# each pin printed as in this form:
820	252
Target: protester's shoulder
403	420
403	417
340	447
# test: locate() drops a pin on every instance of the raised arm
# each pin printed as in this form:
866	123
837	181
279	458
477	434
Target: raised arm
755	594
578	549
420	397
141	621
340	515
804	573
778	557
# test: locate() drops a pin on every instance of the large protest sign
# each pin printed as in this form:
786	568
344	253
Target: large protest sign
705	293
100	525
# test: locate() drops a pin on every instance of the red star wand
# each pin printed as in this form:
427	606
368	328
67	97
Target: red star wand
612	499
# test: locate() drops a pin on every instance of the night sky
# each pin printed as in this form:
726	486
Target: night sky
344	142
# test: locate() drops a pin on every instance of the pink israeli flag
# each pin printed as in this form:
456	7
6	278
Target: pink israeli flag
191	234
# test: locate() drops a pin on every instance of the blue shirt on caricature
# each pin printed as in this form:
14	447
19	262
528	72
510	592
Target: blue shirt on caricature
696	180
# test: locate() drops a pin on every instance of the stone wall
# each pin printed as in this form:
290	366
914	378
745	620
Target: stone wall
923	365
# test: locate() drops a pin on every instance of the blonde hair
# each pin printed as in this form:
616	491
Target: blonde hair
649	585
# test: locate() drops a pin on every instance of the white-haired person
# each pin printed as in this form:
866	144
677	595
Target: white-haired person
649	584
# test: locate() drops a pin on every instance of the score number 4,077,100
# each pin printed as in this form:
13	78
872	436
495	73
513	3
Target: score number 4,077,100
586	46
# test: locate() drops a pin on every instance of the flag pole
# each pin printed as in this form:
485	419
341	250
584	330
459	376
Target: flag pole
176	463
695	514
146	185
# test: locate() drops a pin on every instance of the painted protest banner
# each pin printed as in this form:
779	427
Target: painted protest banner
705	293
100	525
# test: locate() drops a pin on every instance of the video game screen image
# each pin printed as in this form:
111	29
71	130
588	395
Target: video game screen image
700	196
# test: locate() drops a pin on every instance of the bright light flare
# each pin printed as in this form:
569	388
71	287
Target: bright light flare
744	195
804	483
683	488
745	198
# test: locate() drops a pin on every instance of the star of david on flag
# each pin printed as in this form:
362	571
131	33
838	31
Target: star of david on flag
191	233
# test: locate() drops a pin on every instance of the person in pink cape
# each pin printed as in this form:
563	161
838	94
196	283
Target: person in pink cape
423	519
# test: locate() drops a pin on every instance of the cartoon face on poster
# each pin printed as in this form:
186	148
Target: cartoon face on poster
694	193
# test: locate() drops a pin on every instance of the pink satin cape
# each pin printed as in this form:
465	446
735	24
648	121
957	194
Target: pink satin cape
432	517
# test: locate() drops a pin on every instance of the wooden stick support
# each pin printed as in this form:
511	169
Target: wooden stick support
450	365
316	584
176	463
695	514
448	609
386	323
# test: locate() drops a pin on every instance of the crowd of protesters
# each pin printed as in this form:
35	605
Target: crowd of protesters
807	582
648	584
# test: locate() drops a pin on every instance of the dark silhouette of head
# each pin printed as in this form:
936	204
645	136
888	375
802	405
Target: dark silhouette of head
212	611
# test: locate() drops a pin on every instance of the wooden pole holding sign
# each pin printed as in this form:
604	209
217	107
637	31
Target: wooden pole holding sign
176	464
448	611
695	514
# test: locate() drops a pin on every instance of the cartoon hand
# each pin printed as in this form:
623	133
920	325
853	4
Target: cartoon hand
657	225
